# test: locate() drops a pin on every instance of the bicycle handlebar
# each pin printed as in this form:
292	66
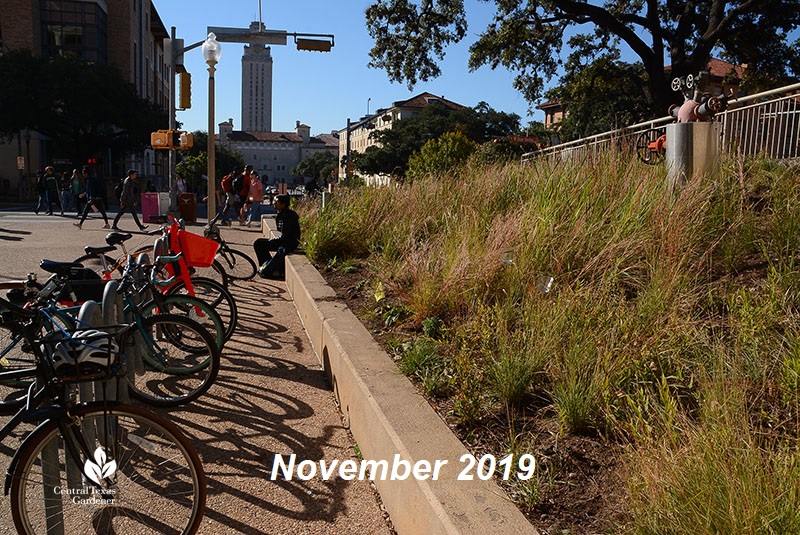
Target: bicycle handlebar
162	261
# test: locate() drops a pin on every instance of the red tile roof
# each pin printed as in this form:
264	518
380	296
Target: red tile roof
423	99
717	67
288	137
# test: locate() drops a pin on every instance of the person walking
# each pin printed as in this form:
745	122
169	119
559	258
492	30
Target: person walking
226	185
255	197
51	183
95	195
127	201
288	223
65	188
180	184
41	192
78	186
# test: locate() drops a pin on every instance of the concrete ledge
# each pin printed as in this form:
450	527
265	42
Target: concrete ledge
390	420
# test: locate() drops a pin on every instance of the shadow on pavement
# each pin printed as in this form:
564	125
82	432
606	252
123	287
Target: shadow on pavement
263	403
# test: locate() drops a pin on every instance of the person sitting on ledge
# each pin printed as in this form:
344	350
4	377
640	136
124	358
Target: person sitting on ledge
288	223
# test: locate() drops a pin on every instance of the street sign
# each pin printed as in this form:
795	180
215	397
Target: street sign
21	163
244	35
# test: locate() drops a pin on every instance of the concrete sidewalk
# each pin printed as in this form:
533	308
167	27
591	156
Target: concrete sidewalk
271	397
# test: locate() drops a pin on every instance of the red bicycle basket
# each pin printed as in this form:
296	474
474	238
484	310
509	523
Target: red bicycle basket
197	250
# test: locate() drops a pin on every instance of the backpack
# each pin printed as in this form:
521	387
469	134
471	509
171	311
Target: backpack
118	189
226	183
237	184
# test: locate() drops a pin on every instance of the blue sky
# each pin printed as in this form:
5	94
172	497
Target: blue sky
323	89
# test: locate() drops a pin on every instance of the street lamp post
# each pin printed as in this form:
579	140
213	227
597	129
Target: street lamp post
212	51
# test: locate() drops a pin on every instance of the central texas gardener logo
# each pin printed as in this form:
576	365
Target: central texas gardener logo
99	469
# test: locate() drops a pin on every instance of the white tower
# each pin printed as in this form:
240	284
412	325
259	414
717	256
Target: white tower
256	87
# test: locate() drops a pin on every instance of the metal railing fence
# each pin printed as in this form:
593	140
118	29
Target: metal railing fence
766	124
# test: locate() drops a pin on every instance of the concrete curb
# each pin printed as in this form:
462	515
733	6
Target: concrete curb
392	422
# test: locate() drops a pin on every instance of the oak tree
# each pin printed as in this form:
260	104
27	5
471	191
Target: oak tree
532	38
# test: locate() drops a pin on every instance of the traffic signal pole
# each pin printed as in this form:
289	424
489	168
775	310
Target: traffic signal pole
173	201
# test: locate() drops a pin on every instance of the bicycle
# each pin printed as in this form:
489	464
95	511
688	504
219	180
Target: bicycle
99	261
186	283
237	264
147	289
101	465
177	358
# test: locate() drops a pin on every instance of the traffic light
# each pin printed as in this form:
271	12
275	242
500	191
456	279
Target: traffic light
161	139
185	100
186	140
314	45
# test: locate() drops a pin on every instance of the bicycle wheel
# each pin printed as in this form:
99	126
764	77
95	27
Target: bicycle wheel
215	295
179	360
95	263
216	272
193	308
137	474
238	265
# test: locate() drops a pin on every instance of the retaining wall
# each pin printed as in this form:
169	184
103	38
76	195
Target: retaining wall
391	421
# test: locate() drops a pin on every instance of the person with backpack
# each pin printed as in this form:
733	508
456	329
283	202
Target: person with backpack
95	196
127	200
241	188
244	193
51	182
231	198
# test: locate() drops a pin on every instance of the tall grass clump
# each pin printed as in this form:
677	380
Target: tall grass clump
716	476
585	292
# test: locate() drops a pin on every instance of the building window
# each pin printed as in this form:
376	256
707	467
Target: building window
74	29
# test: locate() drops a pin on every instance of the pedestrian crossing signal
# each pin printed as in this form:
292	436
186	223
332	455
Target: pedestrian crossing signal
171	139
186	140
161	139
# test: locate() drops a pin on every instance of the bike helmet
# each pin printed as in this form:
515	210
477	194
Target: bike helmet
92	348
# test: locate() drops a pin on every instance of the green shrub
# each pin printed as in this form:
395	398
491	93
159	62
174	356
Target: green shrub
440	155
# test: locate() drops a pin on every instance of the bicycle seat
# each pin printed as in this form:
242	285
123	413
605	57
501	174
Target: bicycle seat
99	250
62	269
115	238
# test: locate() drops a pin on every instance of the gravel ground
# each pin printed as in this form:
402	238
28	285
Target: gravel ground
271	397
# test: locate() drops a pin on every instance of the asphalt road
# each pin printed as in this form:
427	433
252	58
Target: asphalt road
270	398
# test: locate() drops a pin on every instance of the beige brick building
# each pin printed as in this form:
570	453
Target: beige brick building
274	154
359	138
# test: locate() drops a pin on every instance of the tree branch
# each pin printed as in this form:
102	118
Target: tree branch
604	19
